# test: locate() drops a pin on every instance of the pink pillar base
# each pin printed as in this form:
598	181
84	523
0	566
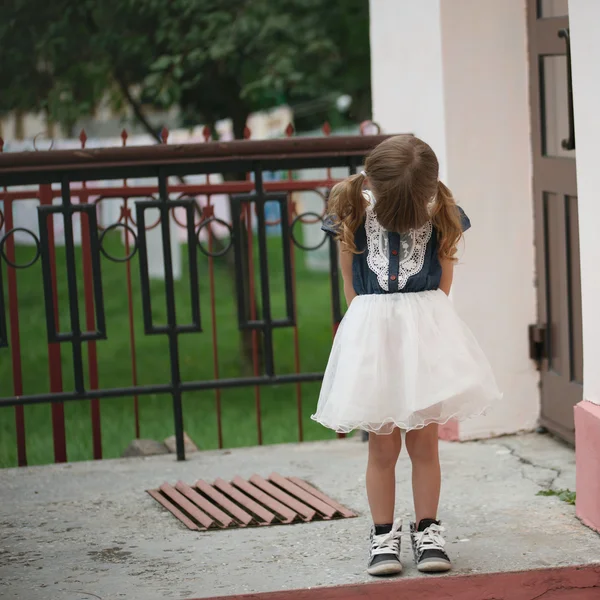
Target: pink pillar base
587	450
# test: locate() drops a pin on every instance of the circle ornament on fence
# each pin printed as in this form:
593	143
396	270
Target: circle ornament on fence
10	263
128	231
208	222
315	218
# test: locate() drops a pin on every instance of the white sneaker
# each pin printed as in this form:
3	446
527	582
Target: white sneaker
385	552
428	547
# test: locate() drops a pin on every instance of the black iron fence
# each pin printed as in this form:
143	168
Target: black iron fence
220	220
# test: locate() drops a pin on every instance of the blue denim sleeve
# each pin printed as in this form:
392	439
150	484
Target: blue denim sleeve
330	225
464	220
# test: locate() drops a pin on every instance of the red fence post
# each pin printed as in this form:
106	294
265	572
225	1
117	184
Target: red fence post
54	361
15	337
90	321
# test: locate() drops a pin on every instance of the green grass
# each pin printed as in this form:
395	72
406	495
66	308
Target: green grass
278	404
565	495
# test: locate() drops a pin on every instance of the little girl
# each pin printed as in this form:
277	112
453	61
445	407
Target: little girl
402	359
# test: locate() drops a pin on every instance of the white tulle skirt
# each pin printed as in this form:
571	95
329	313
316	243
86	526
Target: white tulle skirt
403	360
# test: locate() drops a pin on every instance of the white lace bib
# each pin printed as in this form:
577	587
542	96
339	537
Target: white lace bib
413	246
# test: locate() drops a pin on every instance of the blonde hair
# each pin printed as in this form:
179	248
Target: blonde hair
403	176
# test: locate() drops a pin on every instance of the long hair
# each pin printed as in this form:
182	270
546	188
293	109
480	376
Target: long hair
403	176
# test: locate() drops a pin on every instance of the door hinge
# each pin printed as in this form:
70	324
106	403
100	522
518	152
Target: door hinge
537	343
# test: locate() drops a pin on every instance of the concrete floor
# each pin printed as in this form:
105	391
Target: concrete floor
88	530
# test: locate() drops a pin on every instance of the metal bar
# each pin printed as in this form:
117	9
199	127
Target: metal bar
45	210
90	306
213	312
96	269
283	512
46	222
248	503
569	142
163	154
171	315
304	511
260	324
209	508
3	328
174	510
208	490
292	250
48	261
288	268
192	510
132	348
140	209
190	189
291	209
325	509
253	316
177	168
84	336
186	386
263	261
15	337
321	496
236	225
193	265
72	286
126	216
164	221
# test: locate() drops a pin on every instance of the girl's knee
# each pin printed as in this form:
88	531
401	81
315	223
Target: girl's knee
384	449
422	444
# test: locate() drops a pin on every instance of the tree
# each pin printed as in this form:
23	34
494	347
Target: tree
214	59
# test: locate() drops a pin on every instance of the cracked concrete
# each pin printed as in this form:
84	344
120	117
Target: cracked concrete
88	530
550	470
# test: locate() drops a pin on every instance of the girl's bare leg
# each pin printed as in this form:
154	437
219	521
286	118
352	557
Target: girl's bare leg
381	475
422	447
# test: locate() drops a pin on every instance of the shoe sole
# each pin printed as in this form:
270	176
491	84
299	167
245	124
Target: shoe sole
434	565
386	568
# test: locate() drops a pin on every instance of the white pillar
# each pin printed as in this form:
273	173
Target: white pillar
406	70
486	91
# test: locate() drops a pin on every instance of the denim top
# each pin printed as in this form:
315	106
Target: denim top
394	262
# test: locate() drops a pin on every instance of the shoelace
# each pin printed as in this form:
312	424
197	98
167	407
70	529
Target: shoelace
387	543
431	538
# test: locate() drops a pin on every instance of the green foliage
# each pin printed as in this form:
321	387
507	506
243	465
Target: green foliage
565	495
214	59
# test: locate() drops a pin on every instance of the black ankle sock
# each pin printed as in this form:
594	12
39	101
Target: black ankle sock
383	529
425	523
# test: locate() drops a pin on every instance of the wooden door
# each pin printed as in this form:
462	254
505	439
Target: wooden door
558	333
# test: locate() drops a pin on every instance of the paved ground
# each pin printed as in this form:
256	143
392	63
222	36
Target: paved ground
88	530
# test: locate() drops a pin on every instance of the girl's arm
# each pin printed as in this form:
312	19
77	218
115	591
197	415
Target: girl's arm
346	259
447	275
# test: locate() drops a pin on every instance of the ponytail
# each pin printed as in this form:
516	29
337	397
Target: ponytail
446	220
347	206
